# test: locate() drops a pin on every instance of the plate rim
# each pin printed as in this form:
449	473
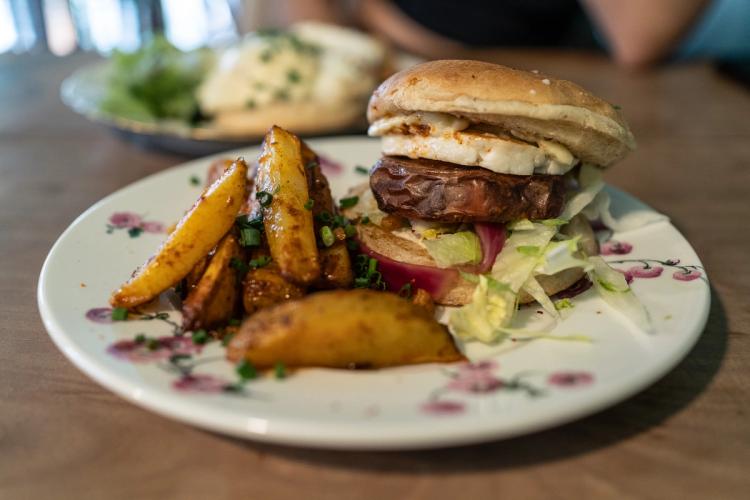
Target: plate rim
332	434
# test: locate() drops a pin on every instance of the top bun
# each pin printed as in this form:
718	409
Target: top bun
532	105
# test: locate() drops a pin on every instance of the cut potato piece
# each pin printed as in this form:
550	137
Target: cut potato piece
335	267
265	287
288	224
343	329
214	299
195	235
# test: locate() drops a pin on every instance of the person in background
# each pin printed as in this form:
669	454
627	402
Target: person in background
636	33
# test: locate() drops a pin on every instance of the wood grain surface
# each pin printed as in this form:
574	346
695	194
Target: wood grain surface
687	436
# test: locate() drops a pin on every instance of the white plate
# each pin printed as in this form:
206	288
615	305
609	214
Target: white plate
516	389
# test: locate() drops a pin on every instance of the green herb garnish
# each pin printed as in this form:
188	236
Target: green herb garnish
140	338
249	237
152	344
563	304
250	104
227	339
195	180
350	230
352	245
244	221
309	204
246	370
324	217
405	291
234	322
239	265
361	170
364	220
261	261
264	198
119	314
312	163
134	232
199	337
293	76
326	236
348	202
279	370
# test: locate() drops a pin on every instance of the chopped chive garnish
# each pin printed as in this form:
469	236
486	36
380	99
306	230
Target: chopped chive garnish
243	221
352	245
293	76
361	282
339	221
246	370
238	264
153	344
264	198
249	237
405	291
119	314
234	322
195	180
364	220
348	202
309	204
200	337
135	232
350	230
324	217
312	163
326	236
227	339
140	338
261	261
279	370
361	170
372	266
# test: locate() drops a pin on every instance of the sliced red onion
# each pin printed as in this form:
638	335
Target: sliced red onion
435	281
492	238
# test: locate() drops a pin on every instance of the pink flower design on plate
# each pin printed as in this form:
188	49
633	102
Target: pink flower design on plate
476	378
614	247
153	349
643	272
570	379
125	220
152	227
329	166
200	383
687	275
443	407
100	315
628	275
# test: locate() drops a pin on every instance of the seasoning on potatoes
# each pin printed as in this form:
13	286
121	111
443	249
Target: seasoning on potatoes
199	230
343	329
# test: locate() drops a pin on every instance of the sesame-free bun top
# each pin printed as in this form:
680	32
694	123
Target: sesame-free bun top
529	104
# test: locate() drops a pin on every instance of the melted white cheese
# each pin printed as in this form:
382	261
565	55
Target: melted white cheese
445	138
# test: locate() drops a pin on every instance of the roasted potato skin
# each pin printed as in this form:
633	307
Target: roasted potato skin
196	234
288	225
265	287
343	329
213	301
335	268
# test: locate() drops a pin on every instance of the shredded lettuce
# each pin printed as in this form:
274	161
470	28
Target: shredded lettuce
614	289
521	225
455	249
599	208
561	255
491	309
590	180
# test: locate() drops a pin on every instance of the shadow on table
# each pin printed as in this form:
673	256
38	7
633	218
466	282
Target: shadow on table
649	408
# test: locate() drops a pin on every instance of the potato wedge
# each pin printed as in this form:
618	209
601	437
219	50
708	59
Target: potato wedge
335	267
199	230
288	225
214	299
343	329
265	287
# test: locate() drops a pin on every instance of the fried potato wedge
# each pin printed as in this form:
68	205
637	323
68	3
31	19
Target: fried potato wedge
335	268
343	329
288	225
213	301
196	234
265	287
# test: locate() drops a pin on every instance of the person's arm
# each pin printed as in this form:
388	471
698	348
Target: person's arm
642	32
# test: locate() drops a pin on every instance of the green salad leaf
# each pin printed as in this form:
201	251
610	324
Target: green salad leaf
455	249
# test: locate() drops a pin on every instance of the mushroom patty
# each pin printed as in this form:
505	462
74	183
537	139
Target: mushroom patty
444	192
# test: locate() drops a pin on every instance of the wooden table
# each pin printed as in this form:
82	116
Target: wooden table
688	436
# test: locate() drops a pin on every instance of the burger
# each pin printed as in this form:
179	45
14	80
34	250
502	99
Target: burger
485	176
